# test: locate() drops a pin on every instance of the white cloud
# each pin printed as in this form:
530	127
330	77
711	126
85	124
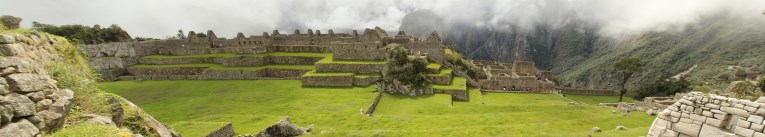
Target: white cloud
159	18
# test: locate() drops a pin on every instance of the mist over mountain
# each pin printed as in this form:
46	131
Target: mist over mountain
581	51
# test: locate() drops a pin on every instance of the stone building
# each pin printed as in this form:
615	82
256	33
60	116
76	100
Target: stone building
518	76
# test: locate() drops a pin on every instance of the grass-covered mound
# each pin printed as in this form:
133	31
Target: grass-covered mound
252	105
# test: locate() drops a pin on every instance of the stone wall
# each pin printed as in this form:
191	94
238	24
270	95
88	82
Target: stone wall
587	91
355	68
441	80
299	48
225	131
327	81
366	81
459	94
209	74
30	102
699	114
358	51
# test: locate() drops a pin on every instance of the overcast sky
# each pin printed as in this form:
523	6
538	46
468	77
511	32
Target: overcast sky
160	18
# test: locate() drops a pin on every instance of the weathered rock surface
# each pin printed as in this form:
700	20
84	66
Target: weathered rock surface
30	104
283	128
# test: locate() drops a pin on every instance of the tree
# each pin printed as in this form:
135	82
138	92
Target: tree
628	67
181	35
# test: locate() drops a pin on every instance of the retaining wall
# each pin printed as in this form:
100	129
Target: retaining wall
355	68
697	114
584	91
441	80
357	81
327	81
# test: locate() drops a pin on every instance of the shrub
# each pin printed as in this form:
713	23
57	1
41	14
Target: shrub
85	34
399	66
663	88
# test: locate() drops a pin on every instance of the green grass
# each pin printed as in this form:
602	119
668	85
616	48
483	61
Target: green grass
434	66
443	72
457	83
90	130
252	105
330	60
314	73
201	128
221	67
594	100
367	75
230	55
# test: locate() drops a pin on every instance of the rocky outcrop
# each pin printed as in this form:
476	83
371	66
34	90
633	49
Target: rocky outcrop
283	128
10	22
698	114
30	102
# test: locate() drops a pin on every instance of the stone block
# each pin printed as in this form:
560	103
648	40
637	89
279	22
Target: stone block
712	106
750	109
755	119
758	134
673	108
721	116
26	82
21	105
761	100
700	118
11	49
686	120
711	131
21	128
736	111
707	114
716	122
686	128
750	103
685	115
760	111
675	114
669	133
756	127
7	39
743	132
743	123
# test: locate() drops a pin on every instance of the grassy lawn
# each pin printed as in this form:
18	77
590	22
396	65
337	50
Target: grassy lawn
230	55
594	100
192	107
221	67
314	73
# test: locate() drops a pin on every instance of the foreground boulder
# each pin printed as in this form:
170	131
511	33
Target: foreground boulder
283	128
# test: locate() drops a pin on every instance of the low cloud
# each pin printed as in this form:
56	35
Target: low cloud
160	18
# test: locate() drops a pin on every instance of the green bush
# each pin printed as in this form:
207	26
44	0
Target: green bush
663	88
85	35
401	67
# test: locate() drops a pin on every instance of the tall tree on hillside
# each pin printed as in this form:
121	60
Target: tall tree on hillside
628	67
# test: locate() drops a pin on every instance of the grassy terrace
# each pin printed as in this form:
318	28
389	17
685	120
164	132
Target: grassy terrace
230	55
443	72
192	107
457	83
314	73
367	75
330	60
594	100
221	67
434	66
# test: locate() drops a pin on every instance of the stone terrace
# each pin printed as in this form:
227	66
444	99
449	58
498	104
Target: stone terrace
319	60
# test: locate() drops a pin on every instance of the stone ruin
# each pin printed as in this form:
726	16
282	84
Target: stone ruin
700	114
353	59
518	76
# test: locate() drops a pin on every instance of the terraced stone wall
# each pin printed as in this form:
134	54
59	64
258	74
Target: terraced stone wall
441	80
328	81
699	114
208	74
354	68
300	48
587	91
358	51
245	61
365	81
